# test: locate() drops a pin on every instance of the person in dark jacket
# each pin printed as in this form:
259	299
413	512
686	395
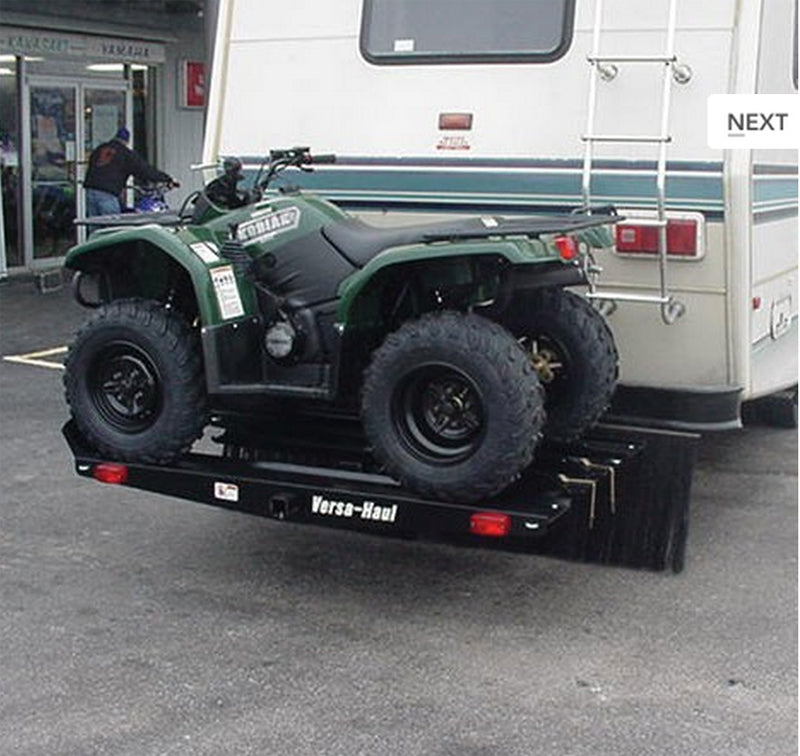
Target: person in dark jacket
224	191
110	165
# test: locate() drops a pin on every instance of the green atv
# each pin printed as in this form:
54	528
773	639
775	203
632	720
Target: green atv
457	343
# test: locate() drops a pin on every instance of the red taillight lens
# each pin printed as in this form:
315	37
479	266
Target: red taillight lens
635	239
491	524
567	248
455	121
110	472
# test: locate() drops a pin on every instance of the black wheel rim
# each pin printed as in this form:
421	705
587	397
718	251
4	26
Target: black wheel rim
125	387
439	414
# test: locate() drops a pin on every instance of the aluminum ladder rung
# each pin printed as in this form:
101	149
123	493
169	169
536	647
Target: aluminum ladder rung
649	222
622	296
632	58
623	138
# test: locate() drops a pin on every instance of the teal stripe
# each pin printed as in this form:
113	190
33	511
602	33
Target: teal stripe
547	185
698	192
774	189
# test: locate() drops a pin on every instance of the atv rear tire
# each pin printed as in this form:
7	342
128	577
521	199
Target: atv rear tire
134	382
452	406
573	352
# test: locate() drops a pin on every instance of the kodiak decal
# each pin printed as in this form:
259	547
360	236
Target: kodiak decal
265	226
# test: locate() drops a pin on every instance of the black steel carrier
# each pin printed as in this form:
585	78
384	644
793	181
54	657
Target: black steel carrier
618	496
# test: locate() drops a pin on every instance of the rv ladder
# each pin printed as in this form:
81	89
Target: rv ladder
603	66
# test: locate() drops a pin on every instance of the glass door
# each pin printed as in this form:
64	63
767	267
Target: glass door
105	109
53	169
67	121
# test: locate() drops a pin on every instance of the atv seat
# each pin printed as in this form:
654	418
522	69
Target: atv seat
359	242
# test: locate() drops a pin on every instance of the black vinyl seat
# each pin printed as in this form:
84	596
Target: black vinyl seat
359	242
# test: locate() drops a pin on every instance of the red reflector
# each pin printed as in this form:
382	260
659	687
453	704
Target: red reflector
455	121
491	524
681	238
110	472
756	303
567	248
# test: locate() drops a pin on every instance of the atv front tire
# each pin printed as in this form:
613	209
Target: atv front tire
134	382
452	406
573	352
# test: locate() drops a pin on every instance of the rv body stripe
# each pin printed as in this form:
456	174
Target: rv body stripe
774	196
774	189
518	185
514	184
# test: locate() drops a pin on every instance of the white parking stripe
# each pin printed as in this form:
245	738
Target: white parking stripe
34	358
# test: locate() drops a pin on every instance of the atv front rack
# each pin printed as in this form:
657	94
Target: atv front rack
619	496
132	219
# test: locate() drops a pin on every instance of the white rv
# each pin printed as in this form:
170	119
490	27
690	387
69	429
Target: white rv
503	107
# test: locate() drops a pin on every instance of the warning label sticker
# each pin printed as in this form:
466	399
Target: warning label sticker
228	299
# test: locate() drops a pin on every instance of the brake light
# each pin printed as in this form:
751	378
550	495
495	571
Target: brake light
490	524
110	472
567	248
455	121
633	238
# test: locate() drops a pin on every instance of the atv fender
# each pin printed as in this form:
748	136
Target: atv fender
138	262
522	253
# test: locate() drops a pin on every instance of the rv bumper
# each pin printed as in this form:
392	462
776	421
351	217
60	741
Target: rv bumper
711	408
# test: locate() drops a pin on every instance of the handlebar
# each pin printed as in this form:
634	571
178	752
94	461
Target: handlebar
298	157
322	159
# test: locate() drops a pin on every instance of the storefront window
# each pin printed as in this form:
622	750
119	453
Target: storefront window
144	121
53	158
9	159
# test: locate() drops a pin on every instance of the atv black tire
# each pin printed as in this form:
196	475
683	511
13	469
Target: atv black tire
134	382
572	350
452	406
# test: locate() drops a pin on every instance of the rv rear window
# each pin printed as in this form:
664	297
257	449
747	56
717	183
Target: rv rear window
465	31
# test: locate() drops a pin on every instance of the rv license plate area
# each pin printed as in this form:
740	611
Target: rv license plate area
781	317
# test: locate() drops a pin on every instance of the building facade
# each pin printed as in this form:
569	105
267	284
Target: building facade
71	74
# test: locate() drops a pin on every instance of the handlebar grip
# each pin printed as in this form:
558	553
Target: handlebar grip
323	159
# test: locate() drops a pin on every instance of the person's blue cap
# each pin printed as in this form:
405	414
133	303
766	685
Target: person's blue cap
123	134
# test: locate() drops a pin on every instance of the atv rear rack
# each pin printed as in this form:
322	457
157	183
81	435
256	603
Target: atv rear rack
619	496
532	226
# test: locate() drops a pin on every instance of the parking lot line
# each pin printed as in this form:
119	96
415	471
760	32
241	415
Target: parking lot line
35	358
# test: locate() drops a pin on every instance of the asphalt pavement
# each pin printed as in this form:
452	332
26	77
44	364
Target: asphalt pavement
135	624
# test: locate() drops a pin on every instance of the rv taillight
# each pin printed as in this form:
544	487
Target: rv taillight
567	248
110	472
633	238
490	524
455	121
